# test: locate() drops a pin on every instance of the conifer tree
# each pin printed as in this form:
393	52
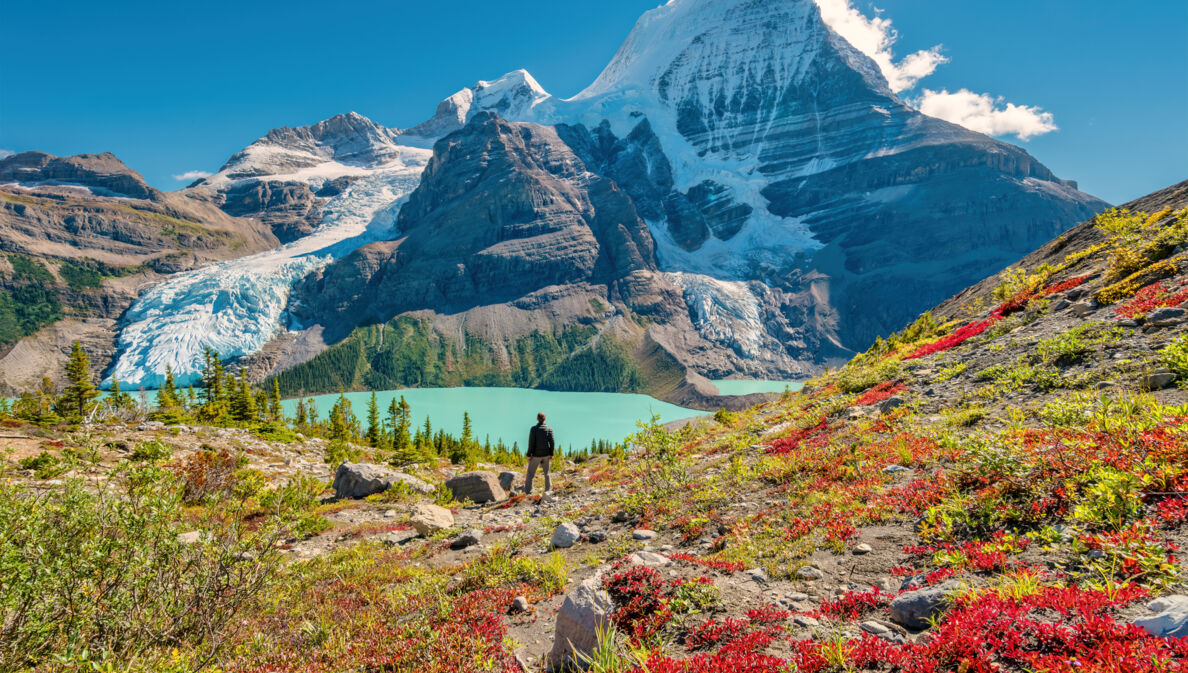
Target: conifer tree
302	420
373	421
274	402
167	395
81	390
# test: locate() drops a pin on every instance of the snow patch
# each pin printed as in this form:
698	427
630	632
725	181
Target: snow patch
725	312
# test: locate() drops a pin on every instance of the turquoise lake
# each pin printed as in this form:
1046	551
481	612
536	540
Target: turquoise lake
577	419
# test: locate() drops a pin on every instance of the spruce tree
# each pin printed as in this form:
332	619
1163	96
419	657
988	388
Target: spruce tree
373	421
274	402
167	395
301	418
81	390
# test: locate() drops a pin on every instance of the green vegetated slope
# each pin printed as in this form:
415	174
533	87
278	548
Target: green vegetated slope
31	296
1002	486
409	352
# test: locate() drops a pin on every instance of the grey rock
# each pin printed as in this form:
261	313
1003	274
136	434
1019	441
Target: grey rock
881	630
566	535
1170	619
896	469
861	548
643	534
596	536
359	480
507	480
520	604
805	622
469	538
478	487
650	559
757	574
810	573
915	608
585	612
1158	379
1167	315
1060	304
1083	308
890	404
428	519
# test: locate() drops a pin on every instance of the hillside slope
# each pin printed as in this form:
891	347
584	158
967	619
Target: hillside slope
1002	486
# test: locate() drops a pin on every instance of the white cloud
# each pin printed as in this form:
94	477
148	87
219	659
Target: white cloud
875	37
190	176
4	154
986	114
982	112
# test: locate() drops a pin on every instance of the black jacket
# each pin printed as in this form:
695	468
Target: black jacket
540	441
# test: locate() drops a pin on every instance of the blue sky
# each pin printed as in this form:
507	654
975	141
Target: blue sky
176	87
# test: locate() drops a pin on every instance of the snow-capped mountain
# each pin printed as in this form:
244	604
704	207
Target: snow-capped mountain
797	207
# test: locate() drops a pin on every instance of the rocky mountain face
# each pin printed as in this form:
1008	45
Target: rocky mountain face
81	237
740	185
790	195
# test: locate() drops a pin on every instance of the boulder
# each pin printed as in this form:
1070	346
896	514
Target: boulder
359	480
428	519
914	608
469	538
1158	379
478	487
596	536
566	535
650	559
1170	619
1166	316
507	480
520	604
643	534
861	548
586	610
810	573
881	630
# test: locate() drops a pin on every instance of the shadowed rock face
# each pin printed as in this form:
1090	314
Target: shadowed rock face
503	210
290	209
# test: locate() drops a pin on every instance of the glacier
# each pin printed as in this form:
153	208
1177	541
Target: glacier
236	307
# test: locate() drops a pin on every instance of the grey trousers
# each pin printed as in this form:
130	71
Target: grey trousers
542	462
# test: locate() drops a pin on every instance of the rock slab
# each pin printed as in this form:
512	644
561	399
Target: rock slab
914	608
428	519
585	611
478	487
1170	619
359	480
566	535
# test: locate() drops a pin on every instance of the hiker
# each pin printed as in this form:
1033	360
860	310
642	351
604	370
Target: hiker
540	452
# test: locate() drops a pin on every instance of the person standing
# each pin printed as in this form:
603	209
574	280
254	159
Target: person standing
540	453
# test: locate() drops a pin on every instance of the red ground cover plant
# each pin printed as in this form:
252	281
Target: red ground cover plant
955	339
1056	630
1151	297
793	440
973	329
854	605
879	393
723	566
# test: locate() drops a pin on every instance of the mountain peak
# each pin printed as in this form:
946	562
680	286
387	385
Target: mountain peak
103	174
512	96
721	46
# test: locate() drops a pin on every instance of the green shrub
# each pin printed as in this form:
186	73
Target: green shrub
152	450
1175	356
104	572
44	465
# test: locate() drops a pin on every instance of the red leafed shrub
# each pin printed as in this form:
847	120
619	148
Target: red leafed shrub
712	633
791	442
1066	285
724	566
639	594
207	473
955	339
879	393
1151	297
855	605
